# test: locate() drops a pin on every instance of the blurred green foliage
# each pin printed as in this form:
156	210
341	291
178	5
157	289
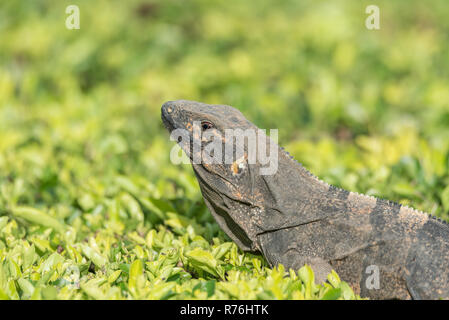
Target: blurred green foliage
90	205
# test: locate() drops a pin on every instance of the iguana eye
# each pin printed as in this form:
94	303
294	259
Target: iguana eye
206	125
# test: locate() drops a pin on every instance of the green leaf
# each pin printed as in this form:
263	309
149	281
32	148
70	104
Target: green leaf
135	276
308	278
45	278
92	289
94	256
51	262
161	291
49	293
29	256
346	291
3	295
202	260
11	290
14	269
36	216
210	288
306	275
86	201
331	294
42	244
157	206
334	279
114	276
221	250
132	207
26	286
37	294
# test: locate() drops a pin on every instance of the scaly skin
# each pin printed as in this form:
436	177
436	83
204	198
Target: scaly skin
294	218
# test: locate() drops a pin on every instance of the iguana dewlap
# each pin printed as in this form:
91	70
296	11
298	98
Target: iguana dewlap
294	218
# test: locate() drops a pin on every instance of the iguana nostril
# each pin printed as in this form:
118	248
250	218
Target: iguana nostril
167	108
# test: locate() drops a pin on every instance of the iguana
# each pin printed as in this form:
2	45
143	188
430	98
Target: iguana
294	218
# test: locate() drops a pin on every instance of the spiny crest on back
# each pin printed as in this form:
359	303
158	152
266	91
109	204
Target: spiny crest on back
361	195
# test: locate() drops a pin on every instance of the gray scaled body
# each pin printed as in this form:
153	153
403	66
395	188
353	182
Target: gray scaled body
293	218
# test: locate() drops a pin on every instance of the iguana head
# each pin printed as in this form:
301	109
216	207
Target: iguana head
244	199
227	184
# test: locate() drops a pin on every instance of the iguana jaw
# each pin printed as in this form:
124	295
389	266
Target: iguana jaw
232	208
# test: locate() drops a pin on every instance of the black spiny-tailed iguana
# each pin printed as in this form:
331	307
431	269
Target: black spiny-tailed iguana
294	218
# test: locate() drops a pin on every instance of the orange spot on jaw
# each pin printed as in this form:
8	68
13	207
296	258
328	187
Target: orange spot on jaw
189	126
235	168
239	164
